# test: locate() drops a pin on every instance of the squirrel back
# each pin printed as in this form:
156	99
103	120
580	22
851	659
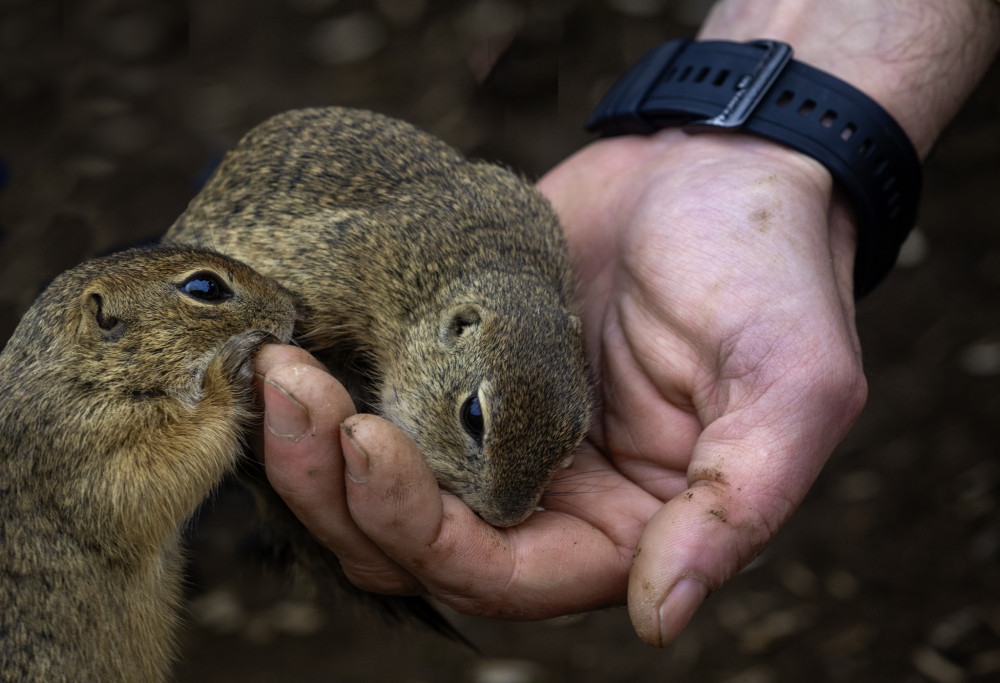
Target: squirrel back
439	289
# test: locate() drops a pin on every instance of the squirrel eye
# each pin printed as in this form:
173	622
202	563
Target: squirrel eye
206	287
472	418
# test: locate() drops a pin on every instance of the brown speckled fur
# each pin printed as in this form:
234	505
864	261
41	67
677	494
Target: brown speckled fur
124	403
426	279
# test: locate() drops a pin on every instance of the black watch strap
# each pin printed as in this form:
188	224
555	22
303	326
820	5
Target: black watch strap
758	88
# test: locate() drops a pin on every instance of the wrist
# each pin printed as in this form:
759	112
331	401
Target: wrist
753	88
919	61
721	174
766	205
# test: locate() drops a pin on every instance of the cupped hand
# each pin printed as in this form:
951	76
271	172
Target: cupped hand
715	285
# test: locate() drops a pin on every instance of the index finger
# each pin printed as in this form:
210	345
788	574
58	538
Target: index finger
304	408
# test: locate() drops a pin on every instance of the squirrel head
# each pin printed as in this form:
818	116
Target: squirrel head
496	401
129	384
150	326
123	347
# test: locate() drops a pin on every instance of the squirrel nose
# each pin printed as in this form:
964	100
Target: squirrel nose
511	509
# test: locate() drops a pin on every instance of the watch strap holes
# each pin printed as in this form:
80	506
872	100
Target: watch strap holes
807	108
721	77
828	118
702	74
785	99
866	148
849	130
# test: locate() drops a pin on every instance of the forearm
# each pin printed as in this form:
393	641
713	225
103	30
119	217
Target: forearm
919	59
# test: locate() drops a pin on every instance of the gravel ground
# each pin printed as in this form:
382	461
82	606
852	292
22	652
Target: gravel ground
112	111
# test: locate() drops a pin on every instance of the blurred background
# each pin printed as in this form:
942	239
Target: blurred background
113	111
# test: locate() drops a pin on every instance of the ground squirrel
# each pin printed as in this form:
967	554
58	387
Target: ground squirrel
439	289
126	390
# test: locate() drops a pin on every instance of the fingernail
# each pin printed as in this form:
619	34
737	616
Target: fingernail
284	417
355	459
679	606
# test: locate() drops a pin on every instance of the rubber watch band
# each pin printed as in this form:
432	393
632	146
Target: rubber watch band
758	88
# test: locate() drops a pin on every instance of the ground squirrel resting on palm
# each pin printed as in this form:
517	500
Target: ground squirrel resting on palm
438	289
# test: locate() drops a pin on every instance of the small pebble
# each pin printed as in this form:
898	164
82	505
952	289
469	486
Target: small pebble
842	585
858	486
914	250
733	614
760	635
509	671
981	359
219	610
798	579
297	618
756	674
936	667
955	628
349	39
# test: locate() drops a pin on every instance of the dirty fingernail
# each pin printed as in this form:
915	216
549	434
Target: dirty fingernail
355	459
284	417
679	606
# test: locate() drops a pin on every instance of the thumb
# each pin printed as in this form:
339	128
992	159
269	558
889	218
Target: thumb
742	486
693	544
750	469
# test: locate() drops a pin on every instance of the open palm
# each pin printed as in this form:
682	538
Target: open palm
715	290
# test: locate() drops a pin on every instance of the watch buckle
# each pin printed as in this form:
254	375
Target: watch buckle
751	88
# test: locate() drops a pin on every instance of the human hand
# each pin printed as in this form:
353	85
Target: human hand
717	306
716	285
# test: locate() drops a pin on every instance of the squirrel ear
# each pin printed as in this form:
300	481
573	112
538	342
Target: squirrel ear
95	308
460	321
